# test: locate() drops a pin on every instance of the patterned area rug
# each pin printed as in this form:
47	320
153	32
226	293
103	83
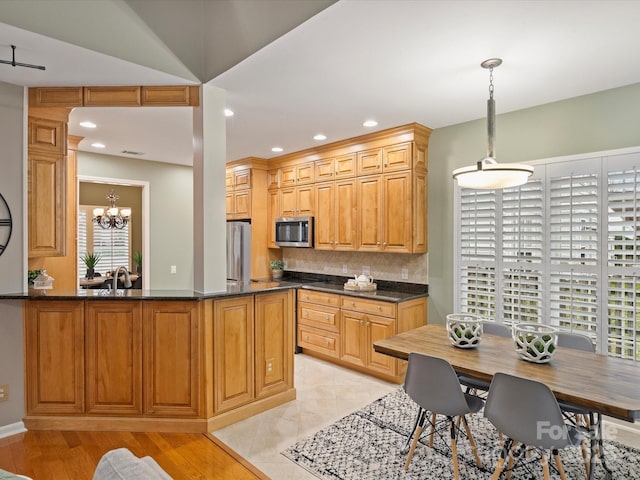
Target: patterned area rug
366	444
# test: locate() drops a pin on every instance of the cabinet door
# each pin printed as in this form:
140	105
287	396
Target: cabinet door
288	204
273	343
397	210
344	237
353	337
288	176
114	357
171	358
228	180
325	170
370	162
324	217
233	369
47	136
273	212
273	179
242	179
379	328
345	166
47	205
54	357
420	209
242	201
369	215
230	199
305	200
397	157
305	173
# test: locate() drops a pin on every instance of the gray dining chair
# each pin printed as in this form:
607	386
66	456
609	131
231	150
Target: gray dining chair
573	413
528	414
433	384
476	385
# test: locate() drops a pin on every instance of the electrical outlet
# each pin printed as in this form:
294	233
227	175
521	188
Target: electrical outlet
366	270
269	366
345	268
405	274
173	269
4	392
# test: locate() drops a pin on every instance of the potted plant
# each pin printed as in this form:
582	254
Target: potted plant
276	267
137	258
90	260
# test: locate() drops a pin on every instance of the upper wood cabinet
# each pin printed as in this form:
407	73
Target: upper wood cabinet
342	166
48	136
335	215
273	211
47	206
385	159
297	201
238	198
297	174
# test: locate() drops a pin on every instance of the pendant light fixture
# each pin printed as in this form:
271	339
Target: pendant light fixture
488	174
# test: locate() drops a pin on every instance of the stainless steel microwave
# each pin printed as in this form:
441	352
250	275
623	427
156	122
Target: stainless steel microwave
294	231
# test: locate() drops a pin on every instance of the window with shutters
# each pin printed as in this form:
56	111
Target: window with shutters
563	249
113	244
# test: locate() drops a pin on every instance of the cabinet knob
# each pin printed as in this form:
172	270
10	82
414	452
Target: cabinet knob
306	337
385	165
327	342
368	324
384	244
361	322
326	317
379	307
378	166
353	304
378	244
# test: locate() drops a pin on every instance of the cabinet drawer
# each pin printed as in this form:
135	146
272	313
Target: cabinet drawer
385	309
318	340
317	316
319	297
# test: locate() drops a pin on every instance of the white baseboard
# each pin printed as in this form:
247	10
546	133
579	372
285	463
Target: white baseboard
12	429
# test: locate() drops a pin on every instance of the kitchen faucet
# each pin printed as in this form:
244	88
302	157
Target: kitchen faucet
127	279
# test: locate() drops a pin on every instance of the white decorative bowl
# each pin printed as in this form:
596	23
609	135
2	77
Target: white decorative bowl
535	342
464	329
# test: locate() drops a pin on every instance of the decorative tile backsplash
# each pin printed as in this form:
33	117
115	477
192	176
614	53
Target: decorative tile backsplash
383	266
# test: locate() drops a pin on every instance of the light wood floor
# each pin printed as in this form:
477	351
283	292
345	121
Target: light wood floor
45	455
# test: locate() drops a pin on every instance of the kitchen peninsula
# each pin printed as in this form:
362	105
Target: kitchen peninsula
145	360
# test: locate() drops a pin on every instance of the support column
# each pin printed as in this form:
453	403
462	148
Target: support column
209	208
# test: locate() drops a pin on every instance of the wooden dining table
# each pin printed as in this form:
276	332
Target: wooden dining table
599	383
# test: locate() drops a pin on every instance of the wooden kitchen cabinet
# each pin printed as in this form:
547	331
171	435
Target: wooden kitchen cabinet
233	352
171	358
238	197
342	329
297	174
386	159
385	214
273	212
114	357
273	343
54	358
335	215
297	201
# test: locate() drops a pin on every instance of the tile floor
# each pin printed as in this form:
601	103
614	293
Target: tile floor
325	393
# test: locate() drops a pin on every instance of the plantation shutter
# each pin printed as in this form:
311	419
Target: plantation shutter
82	240
573	224
477	292
623	255
522	249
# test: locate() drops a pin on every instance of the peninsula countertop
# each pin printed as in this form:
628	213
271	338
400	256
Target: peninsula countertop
133	294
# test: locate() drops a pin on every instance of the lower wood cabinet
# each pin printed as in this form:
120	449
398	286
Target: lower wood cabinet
114	357
343	328
171	358
253	348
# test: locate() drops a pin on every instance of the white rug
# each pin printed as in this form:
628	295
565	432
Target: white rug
365	445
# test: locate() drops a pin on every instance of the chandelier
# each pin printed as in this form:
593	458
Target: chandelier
112	216
488	173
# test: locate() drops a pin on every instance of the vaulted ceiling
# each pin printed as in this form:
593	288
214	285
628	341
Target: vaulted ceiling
294	68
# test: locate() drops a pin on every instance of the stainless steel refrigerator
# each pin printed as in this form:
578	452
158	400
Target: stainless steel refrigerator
239	252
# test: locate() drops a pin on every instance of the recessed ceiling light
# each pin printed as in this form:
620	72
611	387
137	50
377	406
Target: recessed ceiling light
88	124
228	112
276	149
370	123
98	145
320	136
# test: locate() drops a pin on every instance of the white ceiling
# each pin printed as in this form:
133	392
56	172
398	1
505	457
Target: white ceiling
398	61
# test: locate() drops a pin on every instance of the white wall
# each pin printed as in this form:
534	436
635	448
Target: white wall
12	261
171	213
601	121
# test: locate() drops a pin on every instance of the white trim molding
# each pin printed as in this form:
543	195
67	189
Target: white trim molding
12	429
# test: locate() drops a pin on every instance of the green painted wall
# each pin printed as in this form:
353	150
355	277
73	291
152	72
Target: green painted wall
601	121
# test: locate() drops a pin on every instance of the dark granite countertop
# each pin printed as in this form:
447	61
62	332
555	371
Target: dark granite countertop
131	294
380	294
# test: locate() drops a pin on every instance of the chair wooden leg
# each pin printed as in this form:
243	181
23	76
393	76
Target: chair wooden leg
512	460
413	447
556	457
585	456
433	429
545	467
498	470
454	451
471	441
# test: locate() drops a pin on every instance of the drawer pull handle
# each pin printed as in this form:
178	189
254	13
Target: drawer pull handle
326	317
306	337
361	322
379	307
353	304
